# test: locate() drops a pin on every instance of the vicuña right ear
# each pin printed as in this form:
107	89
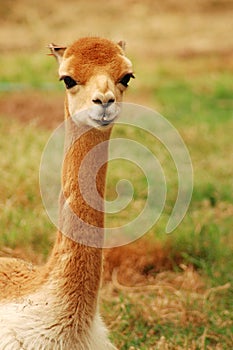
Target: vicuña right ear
122	44
57	51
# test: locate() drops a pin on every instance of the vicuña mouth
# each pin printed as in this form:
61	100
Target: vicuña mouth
104	122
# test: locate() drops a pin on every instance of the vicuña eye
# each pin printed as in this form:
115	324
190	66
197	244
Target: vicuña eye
126	78
69	82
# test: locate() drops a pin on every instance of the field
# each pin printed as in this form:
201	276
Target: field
164	291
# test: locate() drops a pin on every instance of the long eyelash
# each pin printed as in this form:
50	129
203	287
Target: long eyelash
69	82
126	78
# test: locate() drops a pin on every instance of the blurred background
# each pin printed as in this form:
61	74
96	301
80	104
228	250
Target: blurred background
164	291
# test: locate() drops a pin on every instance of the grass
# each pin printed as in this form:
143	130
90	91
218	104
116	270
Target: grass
19	187
169	316
21	72
189	307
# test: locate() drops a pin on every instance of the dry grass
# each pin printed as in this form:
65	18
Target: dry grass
34	107
178	299
151	28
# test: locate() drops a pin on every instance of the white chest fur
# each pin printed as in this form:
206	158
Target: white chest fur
36	323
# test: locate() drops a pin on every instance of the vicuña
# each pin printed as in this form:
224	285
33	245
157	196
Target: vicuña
55	306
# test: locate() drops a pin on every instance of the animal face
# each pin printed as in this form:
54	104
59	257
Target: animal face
95	72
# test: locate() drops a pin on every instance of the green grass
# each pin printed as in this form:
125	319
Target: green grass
21	206
198	101
210	101
28	71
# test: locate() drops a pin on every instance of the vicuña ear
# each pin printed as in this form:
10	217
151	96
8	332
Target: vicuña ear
57	51
122	44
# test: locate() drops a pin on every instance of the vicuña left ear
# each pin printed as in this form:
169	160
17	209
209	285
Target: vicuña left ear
57	51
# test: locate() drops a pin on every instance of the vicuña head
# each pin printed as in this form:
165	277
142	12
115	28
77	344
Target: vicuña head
96	72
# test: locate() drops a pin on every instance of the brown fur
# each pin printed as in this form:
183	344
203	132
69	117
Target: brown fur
79	275
18	278
91	54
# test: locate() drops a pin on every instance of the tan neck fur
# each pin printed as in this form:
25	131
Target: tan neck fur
77	267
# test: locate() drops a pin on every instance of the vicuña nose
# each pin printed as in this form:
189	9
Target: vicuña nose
104	99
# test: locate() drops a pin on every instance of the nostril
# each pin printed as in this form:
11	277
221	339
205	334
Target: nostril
104	103
97	101
111	100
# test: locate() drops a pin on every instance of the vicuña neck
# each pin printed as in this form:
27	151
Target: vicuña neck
83	183
76	260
